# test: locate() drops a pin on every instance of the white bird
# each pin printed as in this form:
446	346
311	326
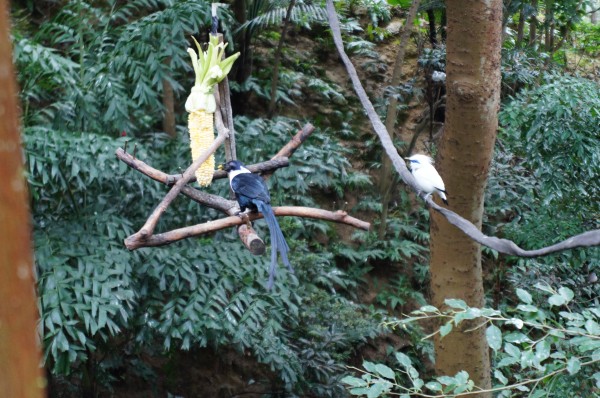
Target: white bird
427	177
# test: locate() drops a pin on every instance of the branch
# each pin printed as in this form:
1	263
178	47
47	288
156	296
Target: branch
228	207
203	198
150	224
586	239
137	240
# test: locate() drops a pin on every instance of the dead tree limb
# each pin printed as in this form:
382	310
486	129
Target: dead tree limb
505	246
136	241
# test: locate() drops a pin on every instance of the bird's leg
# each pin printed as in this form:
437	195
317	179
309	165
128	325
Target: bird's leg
244	216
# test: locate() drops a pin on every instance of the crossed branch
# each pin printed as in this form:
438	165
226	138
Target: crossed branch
145	237
586	239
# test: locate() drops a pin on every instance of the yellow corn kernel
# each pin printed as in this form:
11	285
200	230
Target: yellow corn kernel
200	125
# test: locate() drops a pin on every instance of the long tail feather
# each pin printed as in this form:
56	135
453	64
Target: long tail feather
278	243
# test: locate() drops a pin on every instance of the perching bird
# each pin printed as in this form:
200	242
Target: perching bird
251	193
427	177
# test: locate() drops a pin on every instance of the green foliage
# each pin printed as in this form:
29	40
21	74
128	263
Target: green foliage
97	299
108	73
538	349
554	128
587	39
264	14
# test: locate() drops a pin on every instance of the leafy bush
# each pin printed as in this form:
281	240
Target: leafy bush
542	350
554	127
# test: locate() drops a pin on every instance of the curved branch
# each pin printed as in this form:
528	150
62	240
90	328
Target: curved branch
137	240
586	239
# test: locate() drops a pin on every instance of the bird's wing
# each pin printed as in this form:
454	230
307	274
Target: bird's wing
252	186
430	174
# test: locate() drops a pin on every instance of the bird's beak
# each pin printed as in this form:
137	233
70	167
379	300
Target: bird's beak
221	167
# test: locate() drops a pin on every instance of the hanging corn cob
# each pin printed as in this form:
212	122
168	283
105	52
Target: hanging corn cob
210	69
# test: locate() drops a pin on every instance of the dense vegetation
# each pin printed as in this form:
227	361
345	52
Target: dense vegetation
93	76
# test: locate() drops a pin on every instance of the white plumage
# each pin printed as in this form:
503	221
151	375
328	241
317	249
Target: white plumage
427	177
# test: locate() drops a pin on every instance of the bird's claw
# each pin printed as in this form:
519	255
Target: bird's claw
245	218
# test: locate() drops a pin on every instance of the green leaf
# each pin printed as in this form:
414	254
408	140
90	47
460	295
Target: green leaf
429	308
556	300
378	389
517	337
445	329
573	365
403	359
354	381
500	377
385	371
507	361
527	308
566	293
494	337
434	386
544	288
512	350
524	296
359	391
369	366
515	321
592	327
456	303
418	383
446	380
542	350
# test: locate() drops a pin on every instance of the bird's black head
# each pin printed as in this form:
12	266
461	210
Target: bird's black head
231	165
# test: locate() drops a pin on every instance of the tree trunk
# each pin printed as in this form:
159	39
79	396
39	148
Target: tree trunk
168	100
520	29
20	372
533	24
465	153
444	26
549	26
277	59
243	65
387	178
432	28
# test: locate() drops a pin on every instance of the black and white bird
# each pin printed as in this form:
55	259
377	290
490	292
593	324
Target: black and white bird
252	193
427	178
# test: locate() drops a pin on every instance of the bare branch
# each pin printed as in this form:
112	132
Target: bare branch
297	140
150	224
587	239
137	240
213	201
229	207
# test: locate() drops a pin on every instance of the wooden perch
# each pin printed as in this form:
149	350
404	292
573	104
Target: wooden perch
146	238
135	241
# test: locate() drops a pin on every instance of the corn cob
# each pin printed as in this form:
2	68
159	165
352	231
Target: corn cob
201	104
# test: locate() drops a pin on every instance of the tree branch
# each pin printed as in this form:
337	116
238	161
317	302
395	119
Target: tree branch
586	239
229	207
137	240
150	224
